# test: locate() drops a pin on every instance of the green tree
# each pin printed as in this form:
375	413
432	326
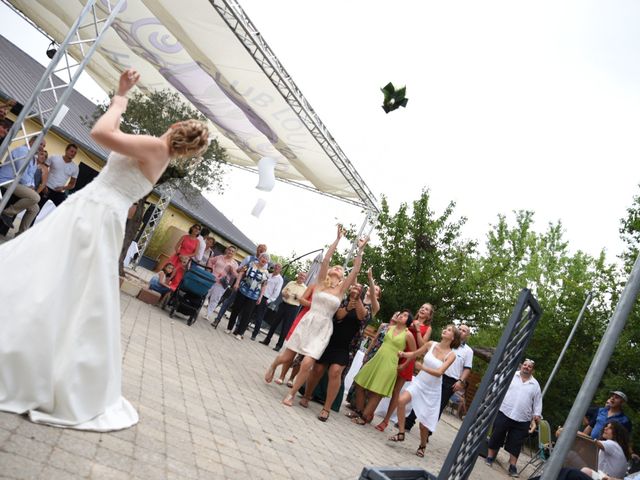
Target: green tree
516	257
623	371
152	113
419	256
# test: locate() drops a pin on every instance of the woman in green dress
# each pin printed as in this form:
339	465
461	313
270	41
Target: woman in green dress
378	375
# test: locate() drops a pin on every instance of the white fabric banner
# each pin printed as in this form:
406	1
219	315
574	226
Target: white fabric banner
186	46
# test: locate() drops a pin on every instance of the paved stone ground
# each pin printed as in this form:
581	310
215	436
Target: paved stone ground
206	413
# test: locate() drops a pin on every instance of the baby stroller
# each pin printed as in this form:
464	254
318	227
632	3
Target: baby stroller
190	294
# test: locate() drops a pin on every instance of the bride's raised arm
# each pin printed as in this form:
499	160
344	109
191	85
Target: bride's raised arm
107	133
324	267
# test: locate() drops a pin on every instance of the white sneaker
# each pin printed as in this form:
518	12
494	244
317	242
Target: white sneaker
227	331
238	337
206	317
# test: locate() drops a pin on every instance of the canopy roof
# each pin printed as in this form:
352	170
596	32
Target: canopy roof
211	53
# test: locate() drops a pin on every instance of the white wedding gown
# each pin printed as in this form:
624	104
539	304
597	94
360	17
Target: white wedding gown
60	356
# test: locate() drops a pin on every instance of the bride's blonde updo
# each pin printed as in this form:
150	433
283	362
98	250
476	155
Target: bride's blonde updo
188	139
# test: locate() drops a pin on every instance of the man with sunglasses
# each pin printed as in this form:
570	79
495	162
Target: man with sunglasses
521	405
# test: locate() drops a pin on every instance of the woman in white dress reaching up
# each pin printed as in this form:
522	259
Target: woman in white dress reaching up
425	390
60	358
311	336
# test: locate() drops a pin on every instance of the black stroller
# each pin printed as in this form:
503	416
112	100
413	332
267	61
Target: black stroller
190	294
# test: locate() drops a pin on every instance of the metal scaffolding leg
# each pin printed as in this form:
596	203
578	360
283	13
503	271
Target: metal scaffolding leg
367	226
163	203
50	94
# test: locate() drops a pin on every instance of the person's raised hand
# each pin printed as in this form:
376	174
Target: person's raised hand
340	231
370	274
362	242
128	79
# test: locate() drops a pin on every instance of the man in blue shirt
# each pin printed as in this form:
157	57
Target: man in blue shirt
25	191
612	412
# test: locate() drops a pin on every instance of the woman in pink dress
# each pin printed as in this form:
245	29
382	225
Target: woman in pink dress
186	246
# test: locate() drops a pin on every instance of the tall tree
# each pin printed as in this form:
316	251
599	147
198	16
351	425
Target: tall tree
516	257
420	256
152	113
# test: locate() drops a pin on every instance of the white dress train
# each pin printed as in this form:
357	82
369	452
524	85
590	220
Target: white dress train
60	354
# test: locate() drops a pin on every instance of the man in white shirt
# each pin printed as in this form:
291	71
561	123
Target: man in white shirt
271	294
63	173
521	405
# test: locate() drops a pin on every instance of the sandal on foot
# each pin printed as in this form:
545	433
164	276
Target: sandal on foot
324	418
398	437
353	414
304	402
361	420
288	401
278	381
290	384
381	427
420	451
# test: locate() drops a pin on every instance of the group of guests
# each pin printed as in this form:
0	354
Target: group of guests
610	429
322	327
389	365
322	336
195	246
45	178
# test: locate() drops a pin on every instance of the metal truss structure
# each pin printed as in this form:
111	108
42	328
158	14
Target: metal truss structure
366	228
46	104
166	192
248	35
493	388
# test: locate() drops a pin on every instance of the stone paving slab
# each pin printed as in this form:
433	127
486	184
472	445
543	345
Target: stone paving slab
206	413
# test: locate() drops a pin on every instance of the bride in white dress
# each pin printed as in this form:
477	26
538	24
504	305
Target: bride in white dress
312	334
60	358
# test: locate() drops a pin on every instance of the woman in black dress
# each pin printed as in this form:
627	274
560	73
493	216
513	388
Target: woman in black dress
346	323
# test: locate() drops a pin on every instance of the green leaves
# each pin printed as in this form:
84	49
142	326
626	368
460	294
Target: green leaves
420	255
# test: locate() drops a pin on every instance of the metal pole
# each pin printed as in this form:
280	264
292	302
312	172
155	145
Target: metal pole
566	345
594	375
354	244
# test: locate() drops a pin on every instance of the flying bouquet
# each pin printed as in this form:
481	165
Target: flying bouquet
393	98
